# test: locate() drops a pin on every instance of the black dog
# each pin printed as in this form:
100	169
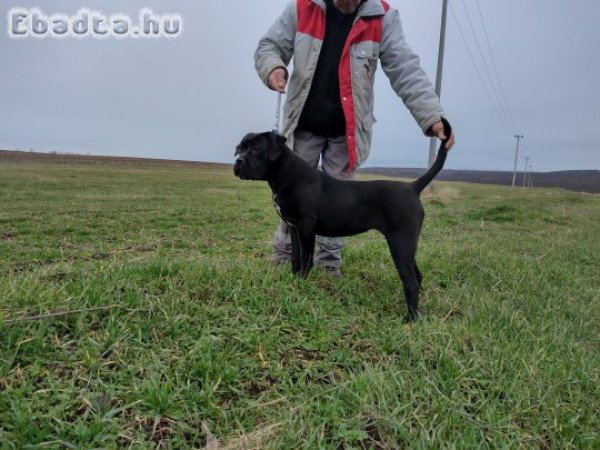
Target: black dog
312	202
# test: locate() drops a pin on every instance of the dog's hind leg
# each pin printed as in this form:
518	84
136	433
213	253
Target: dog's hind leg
403	250
419	276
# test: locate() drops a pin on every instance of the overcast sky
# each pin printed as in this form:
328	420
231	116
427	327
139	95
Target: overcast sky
194	97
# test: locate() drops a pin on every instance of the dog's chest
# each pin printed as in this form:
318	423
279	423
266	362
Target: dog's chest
280	212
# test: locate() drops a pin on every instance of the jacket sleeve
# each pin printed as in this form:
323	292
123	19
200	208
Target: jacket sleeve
406	76
275	49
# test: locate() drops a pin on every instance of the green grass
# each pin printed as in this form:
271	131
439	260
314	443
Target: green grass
190	335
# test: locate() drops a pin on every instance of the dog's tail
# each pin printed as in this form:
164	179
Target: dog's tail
421	183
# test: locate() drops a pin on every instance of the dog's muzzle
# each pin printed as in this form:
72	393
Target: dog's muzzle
237	168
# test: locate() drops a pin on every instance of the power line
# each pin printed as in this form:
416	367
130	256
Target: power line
506	105
485	65
500	117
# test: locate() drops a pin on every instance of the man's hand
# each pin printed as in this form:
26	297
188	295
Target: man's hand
437	130
278	79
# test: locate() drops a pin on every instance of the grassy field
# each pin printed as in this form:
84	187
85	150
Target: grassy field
182	335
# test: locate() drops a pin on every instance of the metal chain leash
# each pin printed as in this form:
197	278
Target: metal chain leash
278	114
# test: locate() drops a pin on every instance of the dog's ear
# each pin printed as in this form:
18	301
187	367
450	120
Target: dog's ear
276	145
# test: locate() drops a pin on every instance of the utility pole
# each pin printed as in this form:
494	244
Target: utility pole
438	78
527	158
530	175
518	137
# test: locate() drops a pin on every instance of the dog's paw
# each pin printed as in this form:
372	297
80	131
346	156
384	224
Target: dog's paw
303	274
300	273
410	318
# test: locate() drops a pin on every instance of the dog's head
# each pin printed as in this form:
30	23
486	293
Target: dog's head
256	153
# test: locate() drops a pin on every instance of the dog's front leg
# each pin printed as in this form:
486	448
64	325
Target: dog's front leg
295	250
306	238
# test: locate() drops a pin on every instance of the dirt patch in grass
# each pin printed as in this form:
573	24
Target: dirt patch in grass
7	236
441	194
257	387
145	248
254	440
158	429
376	440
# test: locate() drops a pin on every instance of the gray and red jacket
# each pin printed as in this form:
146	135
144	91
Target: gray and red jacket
375	36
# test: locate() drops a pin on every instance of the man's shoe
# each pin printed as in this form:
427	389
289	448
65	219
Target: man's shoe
278	259
334	272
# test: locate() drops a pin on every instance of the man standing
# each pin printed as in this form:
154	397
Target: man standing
328	113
